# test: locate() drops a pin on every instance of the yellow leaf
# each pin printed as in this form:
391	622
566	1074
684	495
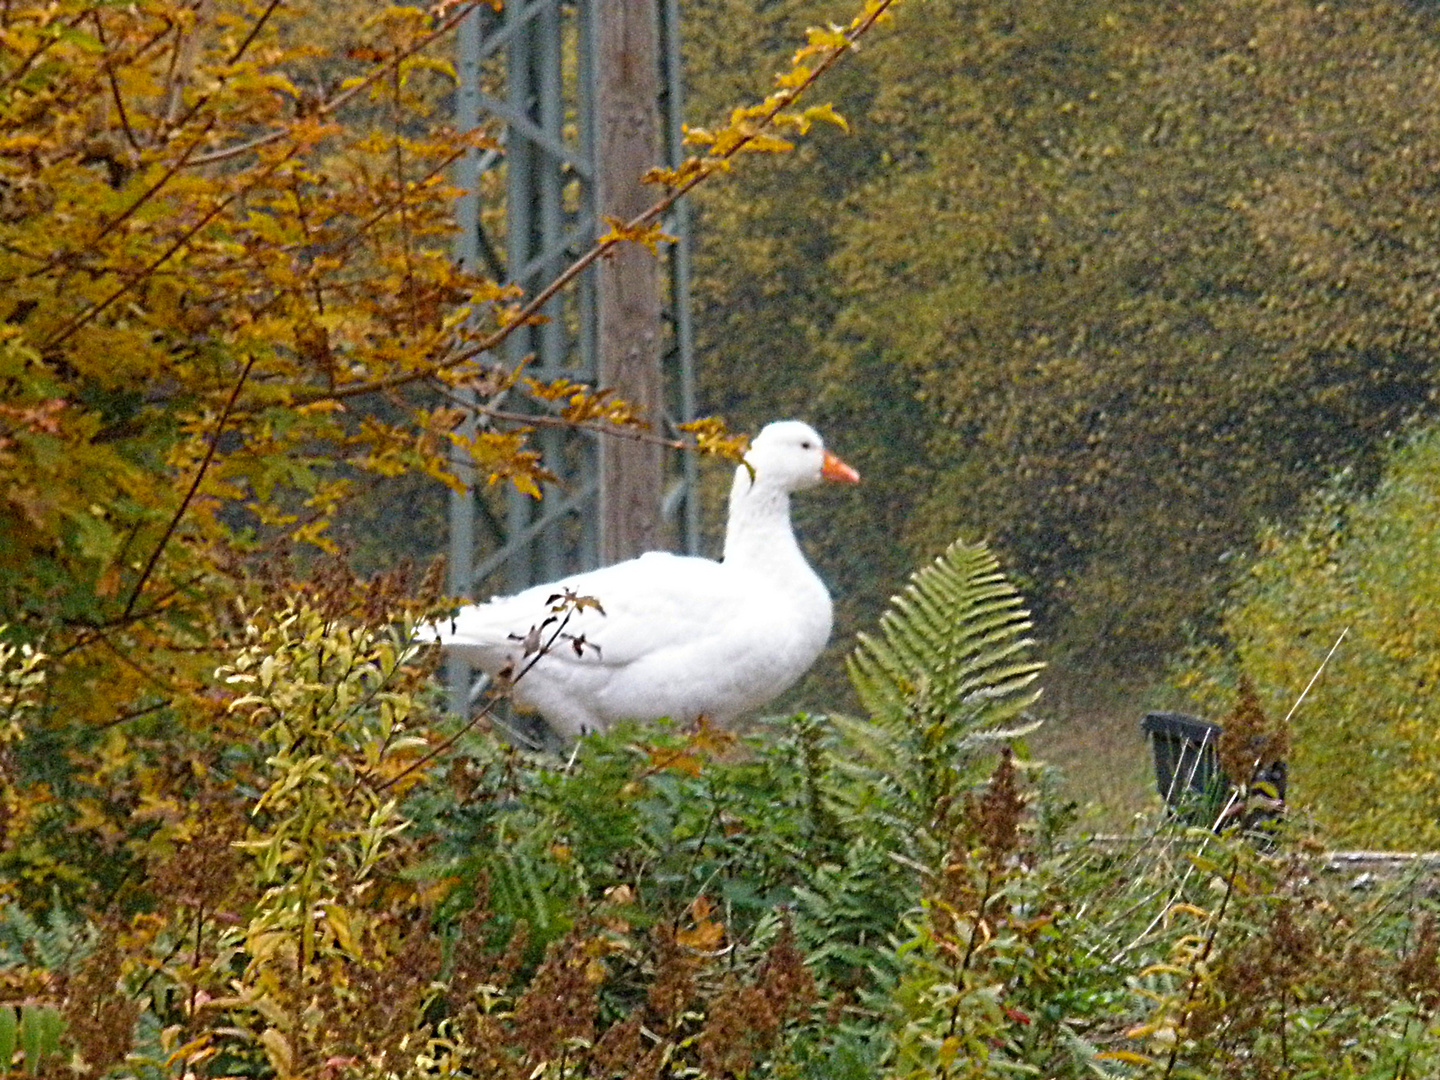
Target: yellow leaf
821	39
711	739
827	113
313	532
767	144
794	78
688	170
708	935
277	1049
1185	909
338	920
650	234
679	761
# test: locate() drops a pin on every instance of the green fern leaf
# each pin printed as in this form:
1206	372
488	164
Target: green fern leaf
54	945
946	677
952	647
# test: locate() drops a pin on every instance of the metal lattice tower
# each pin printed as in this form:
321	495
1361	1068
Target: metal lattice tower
530	71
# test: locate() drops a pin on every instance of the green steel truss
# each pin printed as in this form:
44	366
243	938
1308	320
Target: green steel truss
528	72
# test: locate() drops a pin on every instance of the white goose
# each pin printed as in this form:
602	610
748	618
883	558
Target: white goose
679	636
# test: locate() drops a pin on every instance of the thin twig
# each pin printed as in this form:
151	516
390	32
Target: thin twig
1235	792
182	66
114	83
449	741
259	25
135	666
1316	676
594	427
136	713
398	154
201	100
1230	802
210	452
96	631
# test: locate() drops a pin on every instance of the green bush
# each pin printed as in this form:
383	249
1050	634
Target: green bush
1365	756
367	888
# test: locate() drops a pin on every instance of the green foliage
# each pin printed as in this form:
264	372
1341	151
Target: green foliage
1364	757
35	1033
336	745
839	823
1281	973
1169	953
950	666
372	890
1110	288
55	943
22	680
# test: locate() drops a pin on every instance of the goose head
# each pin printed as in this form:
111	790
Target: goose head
790	456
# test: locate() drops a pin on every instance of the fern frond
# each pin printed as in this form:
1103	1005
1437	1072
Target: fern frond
52	945
952	647
945	678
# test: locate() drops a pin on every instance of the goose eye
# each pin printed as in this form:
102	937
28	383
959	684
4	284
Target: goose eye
807	445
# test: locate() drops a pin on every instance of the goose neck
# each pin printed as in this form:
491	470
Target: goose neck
759	530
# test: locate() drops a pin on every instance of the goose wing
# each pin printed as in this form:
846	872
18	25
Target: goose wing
611	617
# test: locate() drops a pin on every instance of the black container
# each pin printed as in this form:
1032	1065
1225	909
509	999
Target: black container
1187	765
1195	788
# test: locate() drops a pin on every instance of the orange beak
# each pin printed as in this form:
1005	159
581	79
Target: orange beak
835	469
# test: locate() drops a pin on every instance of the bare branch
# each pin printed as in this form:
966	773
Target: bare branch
194	487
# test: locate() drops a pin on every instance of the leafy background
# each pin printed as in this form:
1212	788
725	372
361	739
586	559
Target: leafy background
1141	297
1113	287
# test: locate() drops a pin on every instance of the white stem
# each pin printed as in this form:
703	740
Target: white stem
1317	674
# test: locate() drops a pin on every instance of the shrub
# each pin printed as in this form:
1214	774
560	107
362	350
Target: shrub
361	887
1366	755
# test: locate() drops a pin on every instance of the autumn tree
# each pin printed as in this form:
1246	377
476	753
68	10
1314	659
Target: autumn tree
225	239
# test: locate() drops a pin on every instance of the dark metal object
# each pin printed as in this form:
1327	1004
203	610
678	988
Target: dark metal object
1187	765
1189	777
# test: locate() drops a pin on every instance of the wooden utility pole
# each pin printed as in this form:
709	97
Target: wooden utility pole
632	474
